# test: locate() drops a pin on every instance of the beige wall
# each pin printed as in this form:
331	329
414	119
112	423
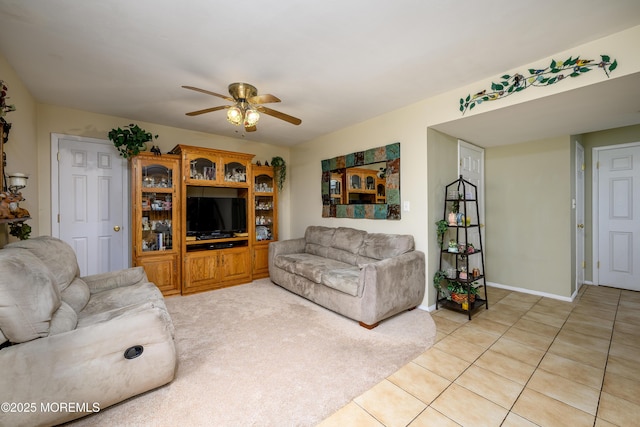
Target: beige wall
442	170
306	174
528	216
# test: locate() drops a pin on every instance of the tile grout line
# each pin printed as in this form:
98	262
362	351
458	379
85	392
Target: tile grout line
604	372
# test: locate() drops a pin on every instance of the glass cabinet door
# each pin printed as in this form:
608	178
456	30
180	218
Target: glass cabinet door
264	206
155	213
235	171
203	169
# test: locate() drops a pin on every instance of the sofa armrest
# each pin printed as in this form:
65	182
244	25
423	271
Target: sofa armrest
88	365
393	285
115	279
292	246
284	247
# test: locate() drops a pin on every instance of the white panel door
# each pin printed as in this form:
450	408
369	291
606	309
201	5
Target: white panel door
619	217
579	206
92	218
471	167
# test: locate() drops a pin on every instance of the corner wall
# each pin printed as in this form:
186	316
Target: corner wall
528	216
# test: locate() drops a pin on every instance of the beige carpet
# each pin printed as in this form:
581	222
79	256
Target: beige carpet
258	355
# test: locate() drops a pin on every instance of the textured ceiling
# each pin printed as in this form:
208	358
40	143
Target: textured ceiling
332	63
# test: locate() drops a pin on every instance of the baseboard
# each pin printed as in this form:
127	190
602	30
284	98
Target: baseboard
532	292
516	289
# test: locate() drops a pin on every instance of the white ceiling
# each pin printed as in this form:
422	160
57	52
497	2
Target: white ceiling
333	63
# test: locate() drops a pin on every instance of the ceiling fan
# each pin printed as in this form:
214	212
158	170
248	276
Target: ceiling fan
247	106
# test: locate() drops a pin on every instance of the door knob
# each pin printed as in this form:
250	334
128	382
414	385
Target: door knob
116	228
580	225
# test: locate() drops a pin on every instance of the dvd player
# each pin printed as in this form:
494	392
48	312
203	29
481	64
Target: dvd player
209	236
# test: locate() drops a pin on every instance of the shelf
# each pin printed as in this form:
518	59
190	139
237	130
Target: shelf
156	190
11	220
451	305
465	235
210	241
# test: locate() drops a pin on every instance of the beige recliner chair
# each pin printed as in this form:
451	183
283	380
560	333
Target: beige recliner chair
70	345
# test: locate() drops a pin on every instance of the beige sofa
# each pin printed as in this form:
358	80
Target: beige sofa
367	277
72	346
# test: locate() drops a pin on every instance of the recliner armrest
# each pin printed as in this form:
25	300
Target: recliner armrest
115	279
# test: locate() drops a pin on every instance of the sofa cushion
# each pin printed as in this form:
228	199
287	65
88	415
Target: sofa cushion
345	280
28	295
318	240
319	235
314	268
348	239
56	254
287	261
383	246
76	294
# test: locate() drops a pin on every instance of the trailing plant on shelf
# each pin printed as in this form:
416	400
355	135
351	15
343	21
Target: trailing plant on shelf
21	230
438	278
130	140
279	170
443	226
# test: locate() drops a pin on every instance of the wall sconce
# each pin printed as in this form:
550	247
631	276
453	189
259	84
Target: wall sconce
16	182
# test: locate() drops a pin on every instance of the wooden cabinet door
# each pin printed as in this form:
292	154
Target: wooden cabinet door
235	264
260	261
162	271
201	270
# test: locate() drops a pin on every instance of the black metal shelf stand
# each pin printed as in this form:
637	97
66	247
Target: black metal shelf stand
462	196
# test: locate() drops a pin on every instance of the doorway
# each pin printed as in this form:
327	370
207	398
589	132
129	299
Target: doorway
616	206
90	202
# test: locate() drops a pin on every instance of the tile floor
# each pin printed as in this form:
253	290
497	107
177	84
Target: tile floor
527	361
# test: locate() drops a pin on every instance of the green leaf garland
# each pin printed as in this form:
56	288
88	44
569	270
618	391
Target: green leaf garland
555	72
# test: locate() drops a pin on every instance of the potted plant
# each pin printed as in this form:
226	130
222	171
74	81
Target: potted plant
460	294
130	140
279	170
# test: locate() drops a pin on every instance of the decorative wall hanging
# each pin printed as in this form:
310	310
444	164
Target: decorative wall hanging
364	184
555	72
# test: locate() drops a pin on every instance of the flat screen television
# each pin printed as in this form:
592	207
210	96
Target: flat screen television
210	215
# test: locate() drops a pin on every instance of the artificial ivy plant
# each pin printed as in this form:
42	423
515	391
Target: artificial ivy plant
21	230
280	171
130	140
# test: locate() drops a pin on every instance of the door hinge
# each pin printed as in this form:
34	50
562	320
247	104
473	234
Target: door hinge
584	166
598	164
58	218
58	156
584	264
598	265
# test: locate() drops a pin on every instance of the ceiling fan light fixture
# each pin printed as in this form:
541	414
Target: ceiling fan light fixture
251	117
234	115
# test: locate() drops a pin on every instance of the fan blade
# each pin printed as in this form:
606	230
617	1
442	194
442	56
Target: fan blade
263	99
228	98
251	128
207	110
279	115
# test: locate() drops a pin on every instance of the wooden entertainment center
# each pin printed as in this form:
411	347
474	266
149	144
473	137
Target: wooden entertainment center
170	238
